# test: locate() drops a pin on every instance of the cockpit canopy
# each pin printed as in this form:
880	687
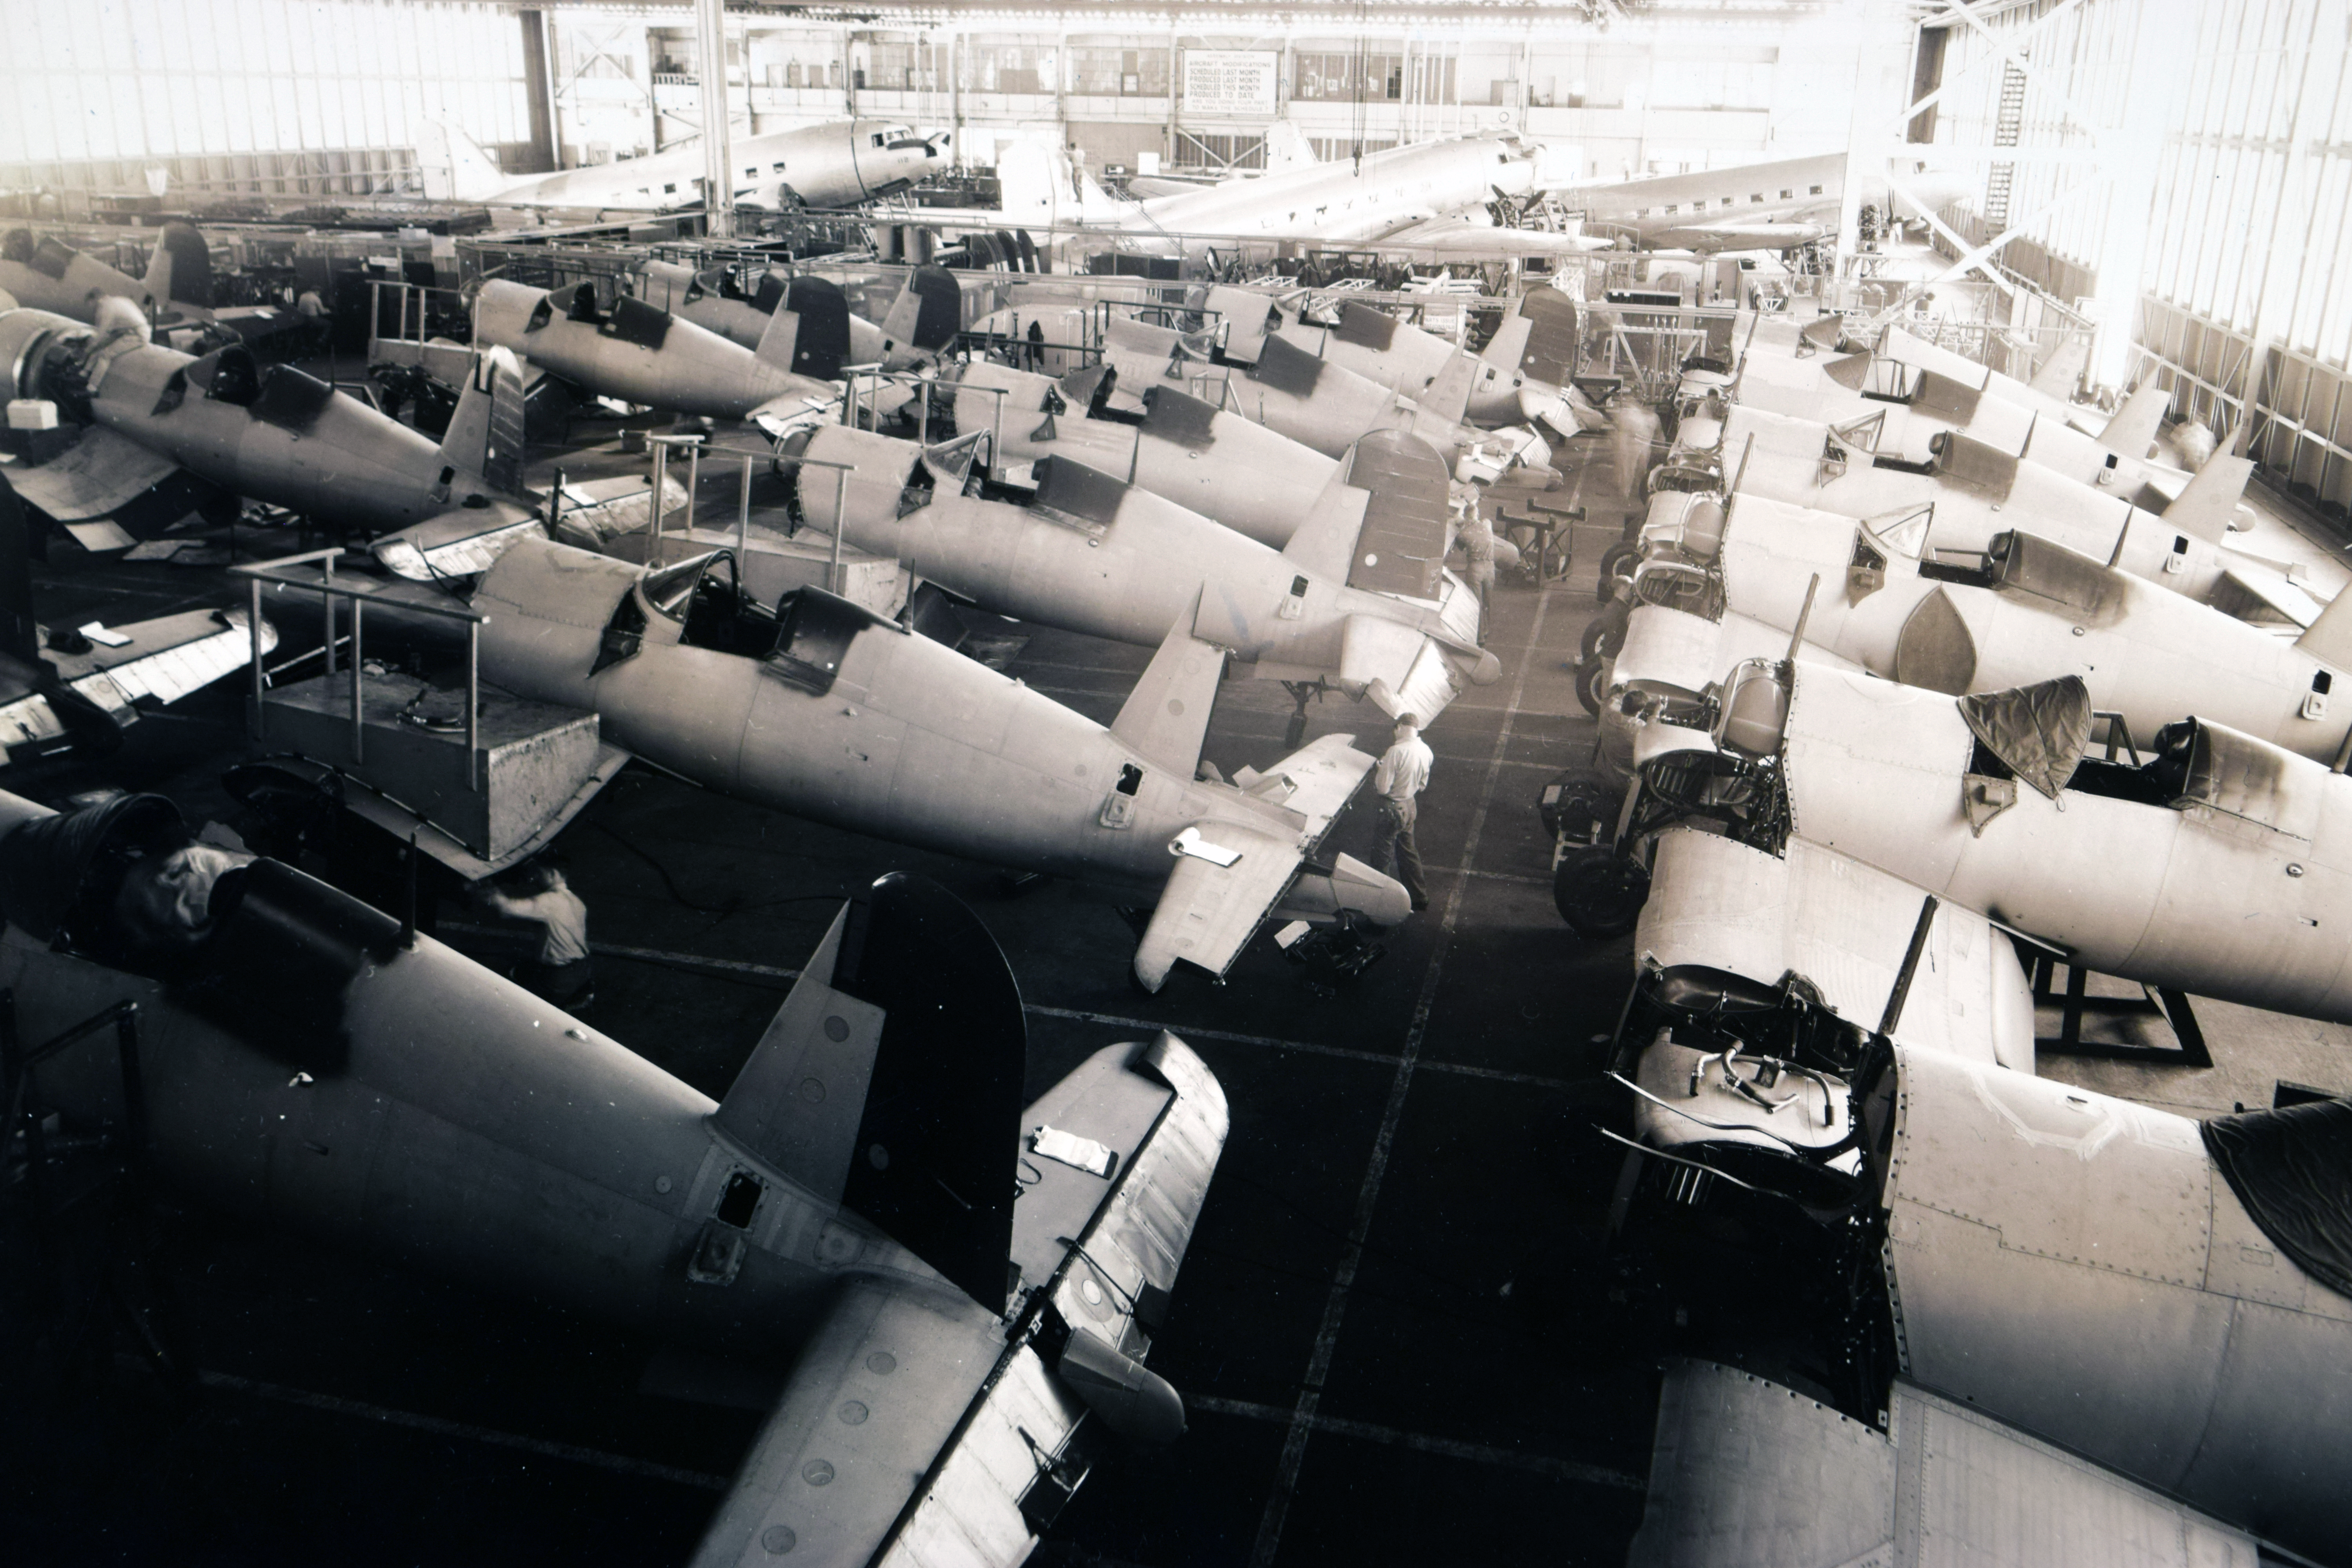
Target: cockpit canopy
803	640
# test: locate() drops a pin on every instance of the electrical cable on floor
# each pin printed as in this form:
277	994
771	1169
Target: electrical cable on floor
721	911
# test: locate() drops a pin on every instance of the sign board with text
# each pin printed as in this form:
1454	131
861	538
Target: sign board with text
1230	81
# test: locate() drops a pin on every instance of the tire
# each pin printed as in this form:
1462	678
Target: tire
1599	893
1591	684
1588	810
1617	564
1604	633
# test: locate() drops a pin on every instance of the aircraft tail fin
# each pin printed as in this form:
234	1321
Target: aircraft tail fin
1508	343
909	1023
2133	428
2204	505
1166	716
185	263
778	340
1288	149
2329	638
485	433
453	167
1448	397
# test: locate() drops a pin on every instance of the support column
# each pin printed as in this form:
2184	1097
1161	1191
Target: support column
717	123
539	90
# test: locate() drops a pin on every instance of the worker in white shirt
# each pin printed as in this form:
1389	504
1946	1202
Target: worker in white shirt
1397	779
562	971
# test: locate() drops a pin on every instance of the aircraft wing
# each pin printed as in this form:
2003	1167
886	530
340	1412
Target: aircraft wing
162	659
1847	927
103	474
1762	235
1462	240
1228	877
1746	1474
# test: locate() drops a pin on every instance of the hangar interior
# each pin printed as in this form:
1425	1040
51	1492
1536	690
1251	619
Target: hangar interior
1825	1043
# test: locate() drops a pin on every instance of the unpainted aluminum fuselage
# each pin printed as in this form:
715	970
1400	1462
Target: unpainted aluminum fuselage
524	1151
2249	901
2148	654
1785	464
1255	480
330	457
692	371
2077	1266
1130	577
912	743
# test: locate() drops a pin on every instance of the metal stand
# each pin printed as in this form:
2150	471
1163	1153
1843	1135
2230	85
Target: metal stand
2159	1001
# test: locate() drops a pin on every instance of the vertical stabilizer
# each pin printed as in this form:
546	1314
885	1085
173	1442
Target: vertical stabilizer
2329	638
2133	428
2207	502
1166	716
1448	397
935	1158
485	433
1288	149
188	277
453	168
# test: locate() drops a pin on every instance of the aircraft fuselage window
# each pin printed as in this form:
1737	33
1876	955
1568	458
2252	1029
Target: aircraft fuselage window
877	138
779	168
2180	544
1670	209
1759	200
1726	200
2322	682
1130	778
670	190
1817	190
1786	195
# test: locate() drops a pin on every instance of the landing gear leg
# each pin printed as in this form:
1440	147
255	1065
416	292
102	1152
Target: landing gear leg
1301	692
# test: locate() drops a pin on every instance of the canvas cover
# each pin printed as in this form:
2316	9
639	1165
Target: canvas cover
2039	730
2292	1170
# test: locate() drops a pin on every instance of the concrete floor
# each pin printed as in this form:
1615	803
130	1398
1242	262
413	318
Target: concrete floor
1392	1330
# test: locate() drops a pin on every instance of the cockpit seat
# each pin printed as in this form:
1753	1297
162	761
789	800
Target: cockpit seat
1755	712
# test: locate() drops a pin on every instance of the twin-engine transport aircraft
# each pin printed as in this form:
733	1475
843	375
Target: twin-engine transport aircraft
840	165
1753	206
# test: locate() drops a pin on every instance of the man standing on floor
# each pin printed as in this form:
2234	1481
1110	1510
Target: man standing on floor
1478	549
1397	779
562	971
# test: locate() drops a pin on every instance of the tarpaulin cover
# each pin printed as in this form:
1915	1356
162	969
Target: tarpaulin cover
1848	372
1078	491
1972	462
2292	1170
1179	417
1366	326
1285	367
2039	730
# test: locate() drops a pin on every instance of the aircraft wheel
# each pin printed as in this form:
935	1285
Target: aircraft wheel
1600	892
1617	564
1604	633
1592	683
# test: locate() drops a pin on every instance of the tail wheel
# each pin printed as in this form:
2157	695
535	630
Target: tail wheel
1604	633
1599	892
1617	564
1592	684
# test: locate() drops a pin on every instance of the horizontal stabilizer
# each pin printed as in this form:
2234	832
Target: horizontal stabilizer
1227	878
909	1363
797	1102
2206	504
164	659
2133	428
1166	716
